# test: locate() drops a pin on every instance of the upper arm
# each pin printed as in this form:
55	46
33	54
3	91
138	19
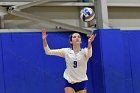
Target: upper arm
56	52
88	52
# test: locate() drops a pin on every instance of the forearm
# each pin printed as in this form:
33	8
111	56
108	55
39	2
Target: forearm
46	47
89	45
45	43
89	49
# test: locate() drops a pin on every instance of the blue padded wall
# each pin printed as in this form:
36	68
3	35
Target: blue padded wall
2	88
127	62
116	62
21	59
134	44
97	66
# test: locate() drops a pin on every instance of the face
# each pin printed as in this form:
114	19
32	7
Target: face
76	39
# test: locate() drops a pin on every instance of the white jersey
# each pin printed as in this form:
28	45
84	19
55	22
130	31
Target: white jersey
76	64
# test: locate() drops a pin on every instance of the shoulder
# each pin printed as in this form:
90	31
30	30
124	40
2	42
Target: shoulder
84	49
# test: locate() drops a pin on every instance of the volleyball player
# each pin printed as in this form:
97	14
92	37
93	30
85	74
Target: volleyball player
76	61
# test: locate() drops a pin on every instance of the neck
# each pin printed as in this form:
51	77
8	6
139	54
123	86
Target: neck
76	48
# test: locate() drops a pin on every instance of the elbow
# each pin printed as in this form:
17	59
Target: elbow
90	55
47	52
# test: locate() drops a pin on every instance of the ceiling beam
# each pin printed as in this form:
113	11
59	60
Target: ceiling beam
45	20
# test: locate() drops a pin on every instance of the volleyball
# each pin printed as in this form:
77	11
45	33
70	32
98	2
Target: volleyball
87	14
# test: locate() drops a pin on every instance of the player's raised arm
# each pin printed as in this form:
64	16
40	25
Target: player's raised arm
90	40
48	51
44	35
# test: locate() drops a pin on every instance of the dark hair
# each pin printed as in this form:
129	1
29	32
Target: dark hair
70	39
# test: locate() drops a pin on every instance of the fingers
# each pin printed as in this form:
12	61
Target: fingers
43	30
44	35
93	35
92	38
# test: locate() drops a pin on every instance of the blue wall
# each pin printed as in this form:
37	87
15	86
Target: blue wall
120	54
134	44
113	68
2	84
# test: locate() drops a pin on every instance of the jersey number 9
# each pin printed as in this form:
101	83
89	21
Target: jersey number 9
75	64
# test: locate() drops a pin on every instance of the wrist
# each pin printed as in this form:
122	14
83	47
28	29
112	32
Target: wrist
89	45
44	38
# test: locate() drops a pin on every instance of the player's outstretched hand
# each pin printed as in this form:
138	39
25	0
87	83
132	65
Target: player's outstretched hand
44	35
91	39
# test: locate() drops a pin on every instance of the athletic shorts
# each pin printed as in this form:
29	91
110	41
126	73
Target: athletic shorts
77	86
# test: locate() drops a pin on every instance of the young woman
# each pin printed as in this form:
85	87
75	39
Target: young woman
76	61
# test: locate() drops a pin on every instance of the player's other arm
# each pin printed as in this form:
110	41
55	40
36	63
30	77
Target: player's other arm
90	40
